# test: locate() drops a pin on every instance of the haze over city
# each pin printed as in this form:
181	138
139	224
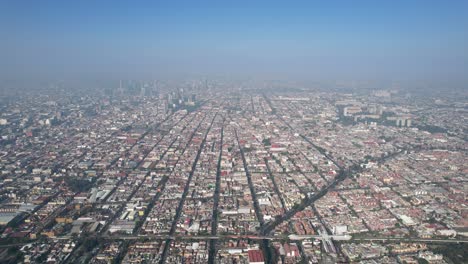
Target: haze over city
243	132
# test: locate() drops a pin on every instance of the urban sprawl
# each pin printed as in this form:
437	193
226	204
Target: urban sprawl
219	173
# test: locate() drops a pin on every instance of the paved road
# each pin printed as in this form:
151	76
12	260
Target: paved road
423	240
267	250
276	237
186	189
215	215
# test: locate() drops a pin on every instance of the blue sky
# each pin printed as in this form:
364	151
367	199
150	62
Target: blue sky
326	40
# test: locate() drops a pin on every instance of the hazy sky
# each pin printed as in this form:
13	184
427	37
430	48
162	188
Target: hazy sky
391	40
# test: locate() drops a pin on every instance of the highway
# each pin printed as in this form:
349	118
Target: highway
292	237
